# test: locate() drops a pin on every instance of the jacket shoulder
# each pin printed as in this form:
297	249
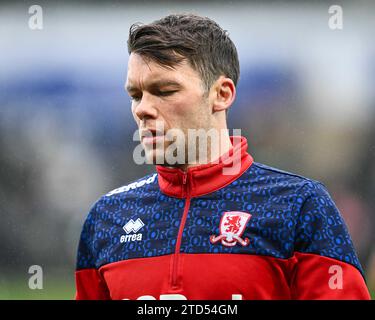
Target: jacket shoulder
261	172
133	186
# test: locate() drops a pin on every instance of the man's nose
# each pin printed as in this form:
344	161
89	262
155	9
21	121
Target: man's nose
146	107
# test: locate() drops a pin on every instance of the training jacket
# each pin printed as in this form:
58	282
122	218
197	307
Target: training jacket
234	229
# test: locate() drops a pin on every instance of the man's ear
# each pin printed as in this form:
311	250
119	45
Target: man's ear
223	93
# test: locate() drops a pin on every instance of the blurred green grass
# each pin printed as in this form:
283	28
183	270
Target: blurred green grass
372	292
54	288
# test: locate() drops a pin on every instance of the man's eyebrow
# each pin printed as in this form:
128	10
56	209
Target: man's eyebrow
130	88
155	84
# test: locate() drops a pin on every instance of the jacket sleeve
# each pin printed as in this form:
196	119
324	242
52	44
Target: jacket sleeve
89	283
326	264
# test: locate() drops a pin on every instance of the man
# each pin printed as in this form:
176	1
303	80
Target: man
215	225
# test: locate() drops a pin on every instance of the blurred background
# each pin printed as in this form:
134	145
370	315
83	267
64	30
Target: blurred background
306	103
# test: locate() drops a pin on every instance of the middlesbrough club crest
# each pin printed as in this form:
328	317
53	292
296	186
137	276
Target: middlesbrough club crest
232	226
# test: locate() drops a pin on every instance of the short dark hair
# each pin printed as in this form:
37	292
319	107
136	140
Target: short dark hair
199	40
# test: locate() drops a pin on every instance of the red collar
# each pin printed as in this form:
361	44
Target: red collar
206	178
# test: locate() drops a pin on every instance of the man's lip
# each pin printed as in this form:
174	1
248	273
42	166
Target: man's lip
154	133
152	140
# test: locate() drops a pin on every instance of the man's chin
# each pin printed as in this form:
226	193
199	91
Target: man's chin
158	157
155	156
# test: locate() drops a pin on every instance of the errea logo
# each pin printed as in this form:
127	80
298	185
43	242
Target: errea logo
132	226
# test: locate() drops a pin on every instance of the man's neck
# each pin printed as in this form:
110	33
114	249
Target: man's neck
214	151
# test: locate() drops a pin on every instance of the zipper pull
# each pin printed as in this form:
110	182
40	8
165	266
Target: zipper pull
184	178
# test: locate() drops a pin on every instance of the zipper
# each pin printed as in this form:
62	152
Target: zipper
180	231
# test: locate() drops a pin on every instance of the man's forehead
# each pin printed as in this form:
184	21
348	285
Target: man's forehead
134	75
143	70
159	80
139	64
